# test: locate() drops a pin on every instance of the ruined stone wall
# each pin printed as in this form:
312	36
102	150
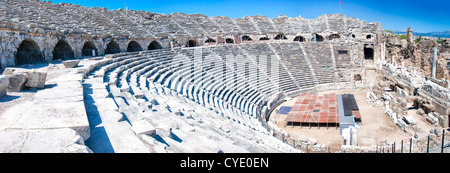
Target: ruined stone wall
46	17
418	55
10	41
46	23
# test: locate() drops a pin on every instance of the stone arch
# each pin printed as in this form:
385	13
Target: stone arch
300	39
89	49
134	46
112	47
28	52
334	36
246	38
210	40
316	37
264	38
280	37
63	51
191	43
229	40
154	45
368	36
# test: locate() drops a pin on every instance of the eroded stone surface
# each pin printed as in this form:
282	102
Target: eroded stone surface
63	140
71	63
36	78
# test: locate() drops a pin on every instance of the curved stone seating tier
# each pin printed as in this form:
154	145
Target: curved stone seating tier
294	58
175	118
321	61
160	99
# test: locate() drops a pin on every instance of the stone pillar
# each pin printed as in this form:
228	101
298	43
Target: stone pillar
409	36
433	70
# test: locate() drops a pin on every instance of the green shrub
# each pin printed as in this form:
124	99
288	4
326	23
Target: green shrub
402	36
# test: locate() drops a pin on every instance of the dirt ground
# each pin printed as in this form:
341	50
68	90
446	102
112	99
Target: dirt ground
375	129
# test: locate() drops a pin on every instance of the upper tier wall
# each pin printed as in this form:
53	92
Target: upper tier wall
44	17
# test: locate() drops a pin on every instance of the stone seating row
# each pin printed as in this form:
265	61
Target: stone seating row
321	61
130	99
150	84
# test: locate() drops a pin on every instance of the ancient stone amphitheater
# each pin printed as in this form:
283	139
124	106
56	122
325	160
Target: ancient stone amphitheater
137	81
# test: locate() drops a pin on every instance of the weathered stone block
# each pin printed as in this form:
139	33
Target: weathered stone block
12	70
61	140
36	79
4	82
71	63
17	81
143	127
109	56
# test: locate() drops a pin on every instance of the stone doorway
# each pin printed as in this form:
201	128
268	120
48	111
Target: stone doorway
246	38
89	49
28	53
334	36
191	43
112	48
63	51
280	37
299	39
154	45
264	38
134	46
229	40
368	52
317	38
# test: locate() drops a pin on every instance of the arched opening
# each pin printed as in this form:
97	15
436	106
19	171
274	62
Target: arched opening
89	49
28	53
317	38
334	36
154	45
368	52
280	37
134	46
264	38
63	51
357	77
369	36
300	39
191	43
112	47
210	40
246	38
229	40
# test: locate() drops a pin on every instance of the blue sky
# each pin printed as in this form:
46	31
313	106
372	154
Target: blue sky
421	16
